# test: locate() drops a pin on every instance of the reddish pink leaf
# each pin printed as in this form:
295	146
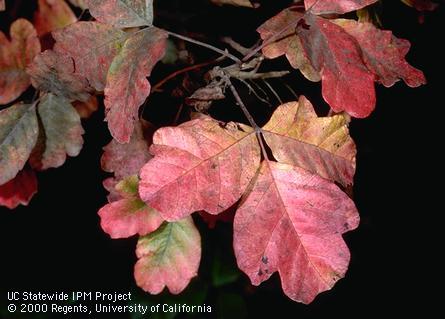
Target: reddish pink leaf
15	55
321	145
129	215
336	6
291	222
100	44
347	85
55	72
168	257
383	53
122	13
329	51
19	190
18	135
110	185
2	5
52	15
127	86
126	159
204	167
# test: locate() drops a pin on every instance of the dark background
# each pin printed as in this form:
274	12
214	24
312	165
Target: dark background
56	242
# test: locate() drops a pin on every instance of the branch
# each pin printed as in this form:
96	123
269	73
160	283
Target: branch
184	70
205	45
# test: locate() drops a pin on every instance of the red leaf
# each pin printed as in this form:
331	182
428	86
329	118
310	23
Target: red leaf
127	86
100	43
122	13
204	167
129	215
54	72
168	257
2	5
62	132
126	159
336	6
347	85
19	190
383	53
52	15
15	55
18	135
291	222
291	218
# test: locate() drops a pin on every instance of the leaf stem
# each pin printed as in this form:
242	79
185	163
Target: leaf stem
246	112
205	45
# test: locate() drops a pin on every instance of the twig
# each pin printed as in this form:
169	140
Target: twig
289	88
235	45
251	90
265	75
241	103
205	45
184	70
262	91
277	35
249	117
273	91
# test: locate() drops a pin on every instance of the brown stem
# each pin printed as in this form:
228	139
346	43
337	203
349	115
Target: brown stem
277	35
249	117
205	45
184	70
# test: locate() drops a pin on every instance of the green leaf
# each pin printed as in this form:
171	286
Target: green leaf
62	132
18	135
168	257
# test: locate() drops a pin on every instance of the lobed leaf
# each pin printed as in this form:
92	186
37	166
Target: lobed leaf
127	86
55	72
126	159
321	145
19	190
15	56
62	132
204	167
18	135
168	257
130	215
100	44
383	53
291	222
122	13
52	15
347	85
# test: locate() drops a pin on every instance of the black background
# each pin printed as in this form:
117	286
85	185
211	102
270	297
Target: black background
56	242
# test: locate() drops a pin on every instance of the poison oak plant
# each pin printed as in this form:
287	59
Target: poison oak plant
285	178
